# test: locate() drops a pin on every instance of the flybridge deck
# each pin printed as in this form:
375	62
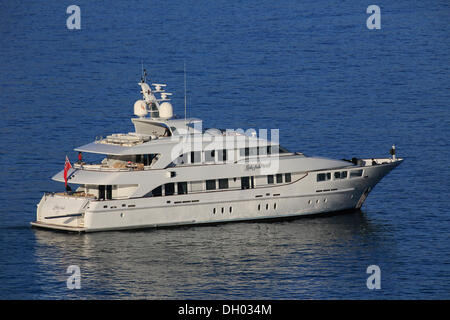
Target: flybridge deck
126	140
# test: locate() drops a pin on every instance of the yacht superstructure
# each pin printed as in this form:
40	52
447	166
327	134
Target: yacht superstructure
172	172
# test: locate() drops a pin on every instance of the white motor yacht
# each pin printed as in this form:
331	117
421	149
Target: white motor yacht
171	172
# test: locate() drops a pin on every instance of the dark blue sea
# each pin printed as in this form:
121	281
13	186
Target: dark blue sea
311	69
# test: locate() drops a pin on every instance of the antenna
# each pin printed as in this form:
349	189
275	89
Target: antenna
143	73
184	91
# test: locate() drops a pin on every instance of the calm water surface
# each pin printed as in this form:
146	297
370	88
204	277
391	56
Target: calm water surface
309	68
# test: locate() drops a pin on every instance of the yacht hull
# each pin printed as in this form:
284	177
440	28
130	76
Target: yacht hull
303	197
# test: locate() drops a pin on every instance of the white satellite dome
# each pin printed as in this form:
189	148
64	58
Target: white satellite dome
165	110
140	108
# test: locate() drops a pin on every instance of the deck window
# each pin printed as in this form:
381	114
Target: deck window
157	192
287	177
279	178
169	189
101	192
270	179
210	184
340	175
253	151
323	176
356	173
210	155
245	152
182	187
109	192
222	155
223	183
196	157
245	183
262	151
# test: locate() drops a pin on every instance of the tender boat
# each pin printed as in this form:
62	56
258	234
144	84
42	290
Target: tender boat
171	172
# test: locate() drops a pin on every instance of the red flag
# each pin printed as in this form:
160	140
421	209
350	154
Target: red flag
67	166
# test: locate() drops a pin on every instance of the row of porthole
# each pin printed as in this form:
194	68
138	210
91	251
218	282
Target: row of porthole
230	210
317	201
267	206
324	200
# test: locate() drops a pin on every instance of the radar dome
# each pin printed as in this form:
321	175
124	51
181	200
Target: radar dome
165	110
140	108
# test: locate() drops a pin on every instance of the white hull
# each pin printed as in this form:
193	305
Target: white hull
304	196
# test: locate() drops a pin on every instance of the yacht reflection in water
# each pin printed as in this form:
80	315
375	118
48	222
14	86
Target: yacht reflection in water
259	260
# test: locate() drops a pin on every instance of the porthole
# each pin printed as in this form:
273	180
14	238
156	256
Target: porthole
325	200
214	211
231	209
222	209
259	207
267	206
275	206
309	201
317	201
121	214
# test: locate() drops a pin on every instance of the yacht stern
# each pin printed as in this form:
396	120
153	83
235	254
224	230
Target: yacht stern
61	211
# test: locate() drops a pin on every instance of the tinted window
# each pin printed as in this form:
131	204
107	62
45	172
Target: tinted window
287	177
223	183
157	192
356	173
169	189
279	178
222	155
195	157
101	192
245	183
210	155
322	176
210	184
182	187
270	179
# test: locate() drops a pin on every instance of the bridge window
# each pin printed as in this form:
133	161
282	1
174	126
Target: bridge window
323	176
356	173
340	174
